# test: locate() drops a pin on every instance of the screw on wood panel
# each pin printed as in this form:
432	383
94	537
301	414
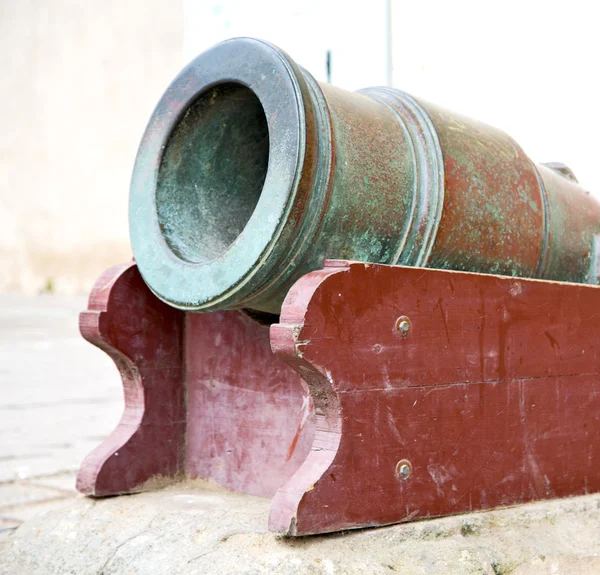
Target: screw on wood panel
403	469
403	326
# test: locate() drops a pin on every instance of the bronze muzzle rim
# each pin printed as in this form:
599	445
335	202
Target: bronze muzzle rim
242	267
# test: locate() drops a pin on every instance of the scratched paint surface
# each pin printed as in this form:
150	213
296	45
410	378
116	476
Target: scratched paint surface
250	420
493	396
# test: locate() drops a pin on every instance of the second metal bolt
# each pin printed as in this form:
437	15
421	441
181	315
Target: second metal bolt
403	325
403	469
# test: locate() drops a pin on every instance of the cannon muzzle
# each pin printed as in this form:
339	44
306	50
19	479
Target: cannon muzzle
250	173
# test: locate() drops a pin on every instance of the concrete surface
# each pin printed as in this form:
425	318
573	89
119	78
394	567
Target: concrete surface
59	397
195	528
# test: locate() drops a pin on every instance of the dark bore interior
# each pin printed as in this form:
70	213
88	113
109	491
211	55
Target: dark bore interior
212	172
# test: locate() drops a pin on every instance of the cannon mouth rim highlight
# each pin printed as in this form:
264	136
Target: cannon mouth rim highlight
210	282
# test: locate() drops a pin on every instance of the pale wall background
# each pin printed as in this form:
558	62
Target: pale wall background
529	67
80	79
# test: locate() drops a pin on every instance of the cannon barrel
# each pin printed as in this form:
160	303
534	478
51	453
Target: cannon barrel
250	173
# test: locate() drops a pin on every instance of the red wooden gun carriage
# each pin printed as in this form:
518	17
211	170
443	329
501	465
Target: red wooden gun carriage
394	384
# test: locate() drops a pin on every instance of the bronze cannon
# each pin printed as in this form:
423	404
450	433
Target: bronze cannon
250	173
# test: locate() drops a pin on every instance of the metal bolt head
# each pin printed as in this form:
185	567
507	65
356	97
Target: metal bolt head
403	469
403	326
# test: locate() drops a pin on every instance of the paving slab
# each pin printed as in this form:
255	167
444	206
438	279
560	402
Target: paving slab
7	526
195	528
12	494
60	397
24	512
62	481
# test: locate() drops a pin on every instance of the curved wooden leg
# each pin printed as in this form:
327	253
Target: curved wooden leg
144	337
204	396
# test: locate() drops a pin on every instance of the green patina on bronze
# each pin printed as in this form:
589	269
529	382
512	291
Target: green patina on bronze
212	172
251	173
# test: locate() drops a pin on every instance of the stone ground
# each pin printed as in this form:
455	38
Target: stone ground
59	397
198	529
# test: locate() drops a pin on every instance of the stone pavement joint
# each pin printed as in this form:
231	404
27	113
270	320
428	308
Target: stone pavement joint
60	398
20	500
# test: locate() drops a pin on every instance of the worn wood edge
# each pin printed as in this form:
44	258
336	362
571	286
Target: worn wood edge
284	515
287	342
99	297
294	307
92	328
90	475
348	264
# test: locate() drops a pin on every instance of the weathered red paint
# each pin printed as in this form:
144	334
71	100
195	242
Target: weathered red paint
493	397
143	336
204	396
250	418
